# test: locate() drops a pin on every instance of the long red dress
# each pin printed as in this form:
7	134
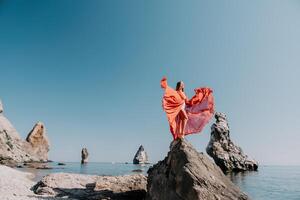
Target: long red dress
199	109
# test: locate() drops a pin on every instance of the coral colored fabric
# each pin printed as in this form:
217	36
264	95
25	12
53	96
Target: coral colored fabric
200	108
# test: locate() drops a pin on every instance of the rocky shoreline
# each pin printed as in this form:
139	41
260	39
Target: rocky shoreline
183	174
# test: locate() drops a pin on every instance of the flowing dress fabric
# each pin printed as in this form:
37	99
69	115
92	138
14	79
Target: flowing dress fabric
199	109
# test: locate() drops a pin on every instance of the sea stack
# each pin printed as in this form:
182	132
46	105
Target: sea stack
39	142
141	156
228	156
84	155
187	174
14	150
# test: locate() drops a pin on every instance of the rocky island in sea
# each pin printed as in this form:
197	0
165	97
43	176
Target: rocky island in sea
84	155
141	156
228	156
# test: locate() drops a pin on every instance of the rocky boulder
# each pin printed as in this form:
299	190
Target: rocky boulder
141	156
228	156
79	186
38	140
187	174
84	155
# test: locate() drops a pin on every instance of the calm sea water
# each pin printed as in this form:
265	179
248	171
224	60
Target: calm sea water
269	183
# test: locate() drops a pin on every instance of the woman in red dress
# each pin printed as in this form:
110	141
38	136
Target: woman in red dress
182	113
187	116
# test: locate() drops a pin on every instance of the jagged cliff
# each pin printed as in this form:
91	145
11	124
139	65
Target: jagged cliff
14	150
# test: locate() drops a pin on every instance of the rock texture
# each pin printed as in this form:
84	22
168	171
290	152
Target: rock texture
228	156
39	142
14	150
79	186
84	155
141	156
187	174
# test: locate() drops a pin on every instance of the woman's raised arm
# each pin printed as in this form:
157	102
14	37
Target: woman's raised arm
163	83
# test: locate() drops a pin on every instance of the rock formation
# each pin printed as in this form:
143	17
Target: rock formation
141	156
228	156
39	142
84	155
79	186
14	150
187	174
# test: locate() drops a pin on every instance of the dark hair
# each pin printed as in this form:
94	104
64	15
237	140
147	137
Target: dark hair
178	86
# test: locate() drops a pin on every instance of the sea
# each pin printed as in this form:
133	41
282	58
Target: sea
268	183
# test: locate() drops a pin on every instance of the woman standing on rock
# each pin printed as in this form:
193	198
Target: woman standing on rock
182	115
186	116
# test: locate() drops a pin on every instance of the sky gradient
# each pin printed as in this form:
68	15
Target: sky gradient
90	70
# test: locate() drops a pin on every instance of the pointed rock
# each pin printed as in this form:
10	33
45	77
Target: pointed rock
187	174
39	142
228	156
84	155
141	156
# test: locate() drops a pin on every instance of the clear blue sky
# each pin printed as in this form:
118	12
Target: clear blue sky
90	70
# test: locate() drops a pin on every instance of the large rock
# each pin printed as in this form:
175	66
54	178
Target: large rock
84	155
187	174
14	150
141	156
228	156
39	142
79	186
